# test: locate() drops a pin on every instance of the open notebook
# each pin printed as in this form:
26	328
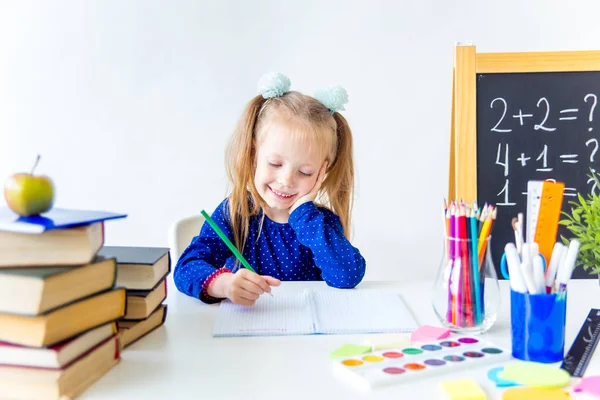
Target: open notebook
316	312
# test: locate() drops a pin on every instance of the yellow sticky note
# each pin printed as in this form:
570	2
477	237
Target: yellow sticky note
534	393
465	389
349	350
388	341
534	374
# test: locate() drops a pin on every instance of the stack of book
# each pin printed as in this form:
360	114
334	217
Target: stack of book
143	272
58	304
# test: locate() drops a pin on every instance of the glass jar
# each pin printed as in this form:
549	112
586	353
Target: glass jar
466	294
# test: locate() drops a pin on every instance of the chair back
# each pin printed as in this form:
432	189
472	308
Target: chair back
181	234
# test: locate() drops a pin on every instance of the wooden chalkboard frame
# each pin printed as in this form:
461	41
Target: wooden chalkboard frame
462	182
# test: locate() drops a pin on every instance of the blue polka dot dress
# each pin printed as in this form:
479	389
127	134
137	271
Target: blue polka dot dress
311	246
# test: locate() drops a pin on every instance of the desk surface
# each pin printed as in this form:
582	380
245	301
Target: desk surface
182	360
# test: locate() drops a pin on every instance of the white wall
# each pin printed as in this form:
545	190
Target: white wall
130	103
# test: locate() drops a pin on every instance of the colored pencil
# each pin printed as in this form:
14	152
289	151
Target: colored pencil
458	265
226	240
459	292
475	270
448	267
464	255
453	276
483	236
467	229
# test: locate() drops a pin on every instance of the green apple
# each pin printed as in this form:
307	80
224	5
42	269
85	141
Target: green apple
28	194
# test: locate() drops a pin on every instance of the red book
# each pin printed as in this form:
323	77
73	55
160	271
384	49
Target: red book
19	382
56	356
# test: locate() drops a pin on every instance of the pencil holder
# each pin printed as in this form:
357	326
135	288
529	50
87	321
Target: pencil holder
466	294
538	326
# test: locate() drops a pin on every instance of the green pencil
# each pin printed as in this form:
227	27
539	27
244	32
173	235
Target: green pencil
226	240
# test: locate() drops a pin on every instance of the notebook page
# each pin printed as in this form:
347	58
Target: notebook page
361	311
282	314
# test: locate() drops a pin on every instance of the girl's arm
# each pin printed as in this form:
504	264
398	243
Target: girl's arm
203	259
320	230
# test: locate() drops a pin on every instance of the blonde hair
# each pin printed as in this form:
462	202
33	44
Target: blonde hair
310	119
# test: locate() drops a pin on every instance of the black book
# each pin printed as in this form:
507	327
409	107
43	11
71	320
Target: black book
139	268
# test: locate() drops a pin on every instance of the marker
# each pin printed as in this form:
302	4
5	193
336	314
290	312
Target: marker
521	238
557	253
517	224
526	269
512	261
538	275
563	258
564	274
534	251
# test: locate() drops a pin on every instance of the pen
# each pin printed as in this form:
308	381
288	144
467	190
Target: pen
226	240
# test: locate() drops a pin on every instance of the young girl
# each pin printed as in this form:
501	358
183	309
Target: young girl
288	149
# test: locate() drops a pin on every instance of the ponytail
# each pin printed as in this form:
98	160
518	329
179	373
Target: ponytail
239	164
339	183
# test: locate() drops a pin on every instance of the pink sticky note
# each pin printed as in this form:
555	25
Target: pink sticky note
427	333
589	384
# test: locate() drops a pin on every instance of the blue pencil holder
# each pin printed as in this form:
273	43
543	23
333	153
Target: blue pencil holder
538	326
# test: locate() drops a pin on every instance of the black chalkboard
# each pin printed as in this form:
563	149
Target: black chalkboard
534	126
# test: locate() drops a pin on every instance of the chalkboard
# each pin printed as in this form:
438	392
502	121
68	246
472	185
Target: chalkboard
534	126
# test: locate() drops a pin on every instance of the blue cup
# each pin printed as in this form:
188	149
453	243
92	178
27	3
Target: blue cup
538	326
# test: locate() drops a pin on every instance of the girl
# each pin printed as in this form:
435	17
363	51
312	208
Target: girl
288	149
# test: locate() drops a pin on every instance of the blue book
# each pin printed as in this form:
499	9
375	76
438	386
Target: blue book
56	218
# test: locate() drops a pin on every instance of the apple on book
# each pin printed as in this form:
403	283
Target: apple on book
28	194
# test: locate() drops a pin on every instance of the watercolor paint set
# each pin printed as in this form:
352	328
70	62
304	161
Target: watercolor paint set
393	366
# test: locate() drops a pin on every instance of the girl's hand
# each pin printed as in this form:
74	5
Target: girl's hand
312	195
245	287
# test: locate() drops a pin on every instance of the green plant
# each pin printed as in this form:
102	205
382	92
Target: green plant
584	223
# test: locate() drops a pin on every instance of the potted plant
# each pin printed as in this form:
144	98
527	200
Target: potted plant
584	224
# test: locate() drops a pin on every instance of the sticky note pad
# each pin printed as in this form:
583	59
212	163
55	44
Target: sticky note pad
465	389
533	374
535	393
427	333
589	384
349	350
388	341
493	376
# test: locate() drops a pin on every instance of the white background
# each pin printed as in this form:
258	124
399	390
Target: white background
131	103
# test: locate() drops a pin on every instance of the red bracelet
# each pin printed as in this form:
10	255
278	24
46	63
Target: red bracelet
204	293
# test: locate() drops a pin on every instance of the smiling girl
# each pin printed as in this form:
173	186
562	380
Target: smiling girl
291	168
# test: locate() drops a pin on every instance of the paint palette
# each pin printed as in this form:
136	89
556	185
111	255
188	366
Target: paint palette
392	366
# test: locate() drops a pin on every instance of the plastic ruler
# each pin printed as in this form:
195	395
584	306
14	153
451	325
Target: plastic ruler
582	349
548	217
534	196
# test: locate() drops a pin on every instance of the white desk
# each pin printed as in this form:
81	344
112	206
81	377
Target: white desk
182	360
